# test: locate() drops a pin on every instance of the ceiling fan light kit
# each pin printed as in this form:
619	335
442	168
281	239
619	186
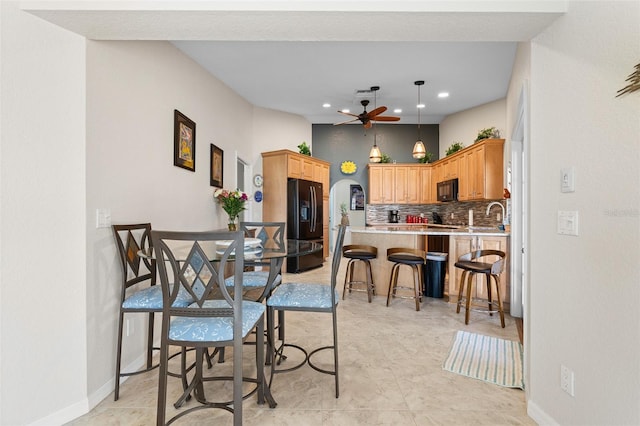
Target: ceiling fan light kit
419	151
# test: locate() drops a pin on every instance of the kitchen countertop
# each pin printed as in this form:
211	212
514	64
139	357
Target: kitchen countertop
428	229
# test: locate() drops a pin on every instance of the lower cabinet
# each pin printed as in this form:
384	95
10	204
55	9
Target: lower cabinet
462	244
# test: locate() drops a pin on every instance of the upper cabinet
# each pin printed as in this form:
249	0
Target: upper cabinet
481	171
398	183
478	168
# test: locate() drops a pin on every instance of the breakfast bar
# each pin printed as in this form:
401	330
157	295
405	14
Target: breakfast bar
462	239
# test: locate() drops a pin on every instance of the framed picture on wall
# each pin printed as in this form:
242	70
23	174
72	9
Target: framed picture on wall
184	141
357	197
217	166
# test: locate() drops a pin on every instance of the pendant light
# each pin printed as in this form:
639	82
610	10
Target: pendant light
375	156
419	150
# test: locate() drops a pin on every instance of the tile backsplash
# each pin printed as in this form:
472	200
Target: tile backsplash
454	213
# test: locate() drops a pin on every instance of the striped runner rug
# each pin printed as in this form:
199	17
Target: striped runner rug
486	358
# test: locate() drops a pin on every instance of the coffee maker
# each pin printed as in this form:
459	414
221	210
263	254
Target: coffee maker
393	216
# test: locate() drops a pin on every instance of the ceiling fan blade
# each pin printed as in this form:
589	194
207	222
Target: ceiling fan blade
377	111
348	113
385	118
345	122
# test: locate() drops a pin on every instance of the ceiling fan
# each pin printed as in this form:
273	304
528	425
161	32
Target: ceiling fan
368	117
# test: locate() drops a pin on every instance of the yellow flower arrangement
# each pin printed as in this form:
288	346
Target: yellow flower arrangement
348	167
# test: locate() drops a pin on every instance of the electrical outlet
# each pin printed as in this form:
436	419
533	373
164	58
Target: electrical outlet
498	217
452	216
567	380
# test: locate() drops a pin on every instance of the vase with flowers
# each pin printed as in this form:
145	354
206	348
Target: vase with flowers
233	203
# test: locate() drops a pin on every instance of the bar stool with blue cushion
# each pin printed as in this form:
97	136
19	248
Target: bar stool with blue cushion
307	297
414	259
363	254
490	263
138	289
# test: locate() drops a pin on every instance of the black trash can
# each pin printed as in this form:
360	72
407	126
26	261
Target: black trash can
434	274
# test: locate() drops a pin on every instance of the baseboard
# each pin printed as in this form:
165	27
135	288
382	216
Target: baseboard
539	416
65	415
82	407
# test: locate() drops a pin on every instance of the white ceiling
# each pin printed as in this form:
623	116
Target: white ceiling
294	55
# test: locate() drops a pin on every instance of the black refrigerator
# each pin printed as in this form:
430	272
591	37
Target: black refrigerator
304	221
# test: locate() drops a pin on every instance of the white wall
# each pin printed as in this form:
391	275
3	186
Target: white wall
74	141
132	90
43	265
585	290
464	126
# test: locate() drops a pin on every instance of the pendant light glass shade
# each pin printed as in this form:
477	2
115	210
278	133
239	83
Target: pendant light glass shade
419	150
375	155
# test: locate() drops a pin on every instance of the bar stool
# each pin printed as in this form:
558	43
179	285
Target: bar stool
414	258
359	253
470	265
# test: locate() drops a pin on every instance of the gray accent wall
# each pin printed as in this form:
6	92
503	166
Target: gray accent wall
353	142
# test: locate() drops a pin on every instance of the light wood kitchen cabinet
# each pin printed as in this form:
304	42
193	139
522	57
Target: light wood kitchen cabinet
425	185
462	244
481	171
381	184
397	183
407	185
436	176
450	167
277	168
300	167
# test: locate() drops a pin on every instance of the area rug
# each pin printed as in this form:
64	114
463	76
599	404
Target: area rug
486	358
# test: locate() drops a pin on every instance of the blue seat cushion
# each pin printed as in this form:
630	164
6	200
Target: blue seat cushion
253	279
215	329
151	298
302	295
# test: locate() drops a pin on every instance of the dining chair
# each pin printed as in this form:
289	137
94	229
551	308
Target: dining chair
271	236
215	319
138	290
307	297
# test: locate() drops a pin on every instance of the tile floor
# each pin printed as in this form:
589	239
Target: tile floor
390	373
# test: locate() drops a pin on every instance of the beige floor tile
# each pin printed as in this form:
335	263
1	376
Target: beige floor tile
390	372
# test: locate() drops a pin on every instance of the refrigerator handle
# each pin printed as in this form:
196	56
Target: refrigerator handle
313	209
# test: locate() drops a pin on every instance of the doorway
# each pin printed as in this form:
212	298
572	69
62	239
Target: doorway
341	192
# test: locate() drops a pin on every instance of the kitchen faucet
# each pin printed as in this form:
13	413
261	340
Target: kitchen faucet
497	203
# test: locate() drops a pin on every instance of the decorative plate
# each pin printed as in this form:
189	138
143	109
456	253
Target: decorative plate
257	196
257	180
348	167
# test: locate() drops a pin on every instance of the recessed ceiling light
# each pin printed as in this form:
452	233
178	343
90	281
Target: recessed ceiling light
345	110
443	94
420	105
397	110
326	105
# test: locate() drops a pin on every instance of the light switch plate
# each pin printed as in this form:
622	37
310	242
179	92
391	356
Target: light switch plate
567	179
567	222
103	218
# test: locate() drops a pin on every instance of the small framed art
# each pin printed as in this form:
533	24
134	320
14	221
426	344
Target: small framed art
217	164
184	141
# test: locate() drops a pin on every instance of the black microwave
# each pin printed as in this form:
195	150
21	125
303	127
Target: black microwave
448	190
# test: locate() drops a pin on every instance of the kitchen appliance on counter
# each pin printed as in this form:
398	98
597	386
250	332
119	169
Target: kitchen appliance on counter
437	219
448	190
393	216
304	221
